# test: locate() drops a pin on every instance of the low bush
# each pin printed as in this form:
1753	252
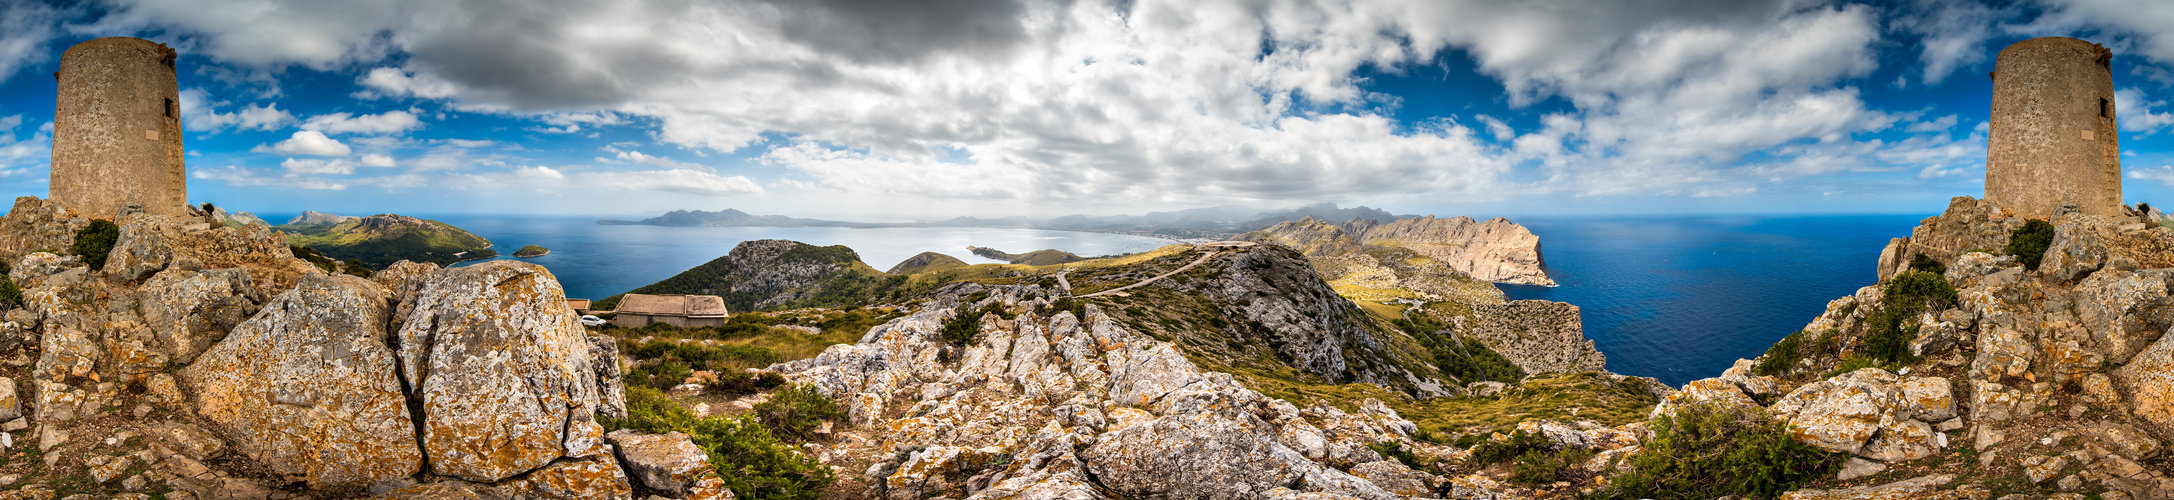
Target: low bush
1532	457
963	328
1704	450
794	412
751	460
1921	262
2028	243
1889	329
95	241
1781	356
1465	359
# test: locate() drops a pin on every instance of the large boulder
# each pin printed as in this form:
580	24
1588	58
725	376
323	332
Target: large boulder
308	387
189	310
35	224
668	463
2149	380
1870	413
501	367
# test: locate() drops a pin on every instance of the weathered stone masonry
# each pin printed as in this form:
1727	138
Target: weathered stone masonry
2052	134
117	129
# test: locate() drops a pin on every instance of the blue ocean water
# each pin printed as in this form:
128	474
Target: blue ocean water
1682	298
596	261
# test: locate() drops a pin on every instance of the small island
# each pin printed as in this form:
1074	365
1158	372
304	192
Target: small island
527	251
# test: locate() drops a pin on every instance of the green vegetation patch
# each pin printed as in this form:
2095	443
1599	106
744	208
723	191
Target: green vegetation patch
1706	450
95	241
747	454
527	251
1533	458
1921	262
11	296
2029	243
794	412
1890	328
381	240
1465	359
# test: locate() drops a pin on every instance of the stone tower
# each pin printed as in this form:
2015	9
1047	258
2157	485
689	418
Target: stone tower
2052	139
117	129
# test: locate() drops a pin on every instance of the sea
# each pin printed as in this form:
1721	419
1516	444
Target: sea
1682	298
1674	298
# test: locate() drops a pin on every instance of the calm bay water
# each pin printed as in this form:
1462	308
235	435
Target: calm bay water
1682	298
596	261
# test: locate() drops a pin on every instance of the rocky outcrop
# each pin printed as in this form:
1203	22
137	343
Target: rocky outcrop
1075	403
500	368
2059	371
309	387
1374	272
1496	250
1537	335
204	360
668	463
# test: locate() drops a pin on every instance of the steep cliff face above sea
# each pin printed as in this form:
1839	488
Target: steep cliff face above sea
1497	250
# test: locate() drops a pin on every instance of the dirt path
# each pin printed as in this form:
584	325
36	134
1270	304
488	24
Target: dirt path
1196	262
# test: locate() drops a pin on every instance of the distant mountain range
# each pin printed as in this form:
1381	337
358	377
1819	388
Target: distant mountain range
1213	222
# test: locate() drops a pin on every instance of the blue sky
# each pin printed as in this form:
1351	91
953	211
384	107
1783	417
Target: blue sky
894	110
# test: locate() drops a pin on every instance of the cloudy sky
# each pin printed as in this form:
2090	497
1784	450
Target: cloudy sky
875	109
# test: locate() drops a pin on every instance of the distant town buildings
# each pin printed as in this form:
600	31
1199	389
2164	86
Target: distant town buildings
638	310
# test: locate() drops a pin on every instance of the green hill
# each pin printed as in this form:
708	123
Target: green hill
781	274
1045	257
381	240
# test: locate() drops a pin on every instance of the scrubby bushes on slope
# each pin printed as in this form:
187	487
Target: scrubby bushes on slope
753	462
1705	450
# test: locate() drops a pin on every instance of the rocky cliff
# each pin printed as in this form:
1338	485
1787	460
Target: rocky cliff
1539	336
1061	406
2030	382
1497	250
202	361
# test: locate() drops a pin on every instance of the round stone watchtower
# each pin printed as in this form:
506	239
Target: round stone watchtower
117	129
2052	139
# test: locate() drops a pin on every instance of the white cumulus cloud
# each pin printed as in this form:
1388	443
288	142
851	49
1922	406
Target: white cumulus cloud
388	122
306	142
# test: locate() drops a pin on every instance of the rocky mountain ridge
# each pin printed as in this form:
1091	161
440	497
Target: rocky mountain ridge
1497	250
204	361
378	241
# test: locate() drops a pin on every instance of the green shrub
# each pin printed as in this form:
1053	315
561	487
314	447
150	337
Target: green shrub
1466	359
1395	450
1542	467
94	241
11	296
355	268
1705	450
1920	262
1517	444
963	328
2029	243
753	463
794	411
1781	356
1889	329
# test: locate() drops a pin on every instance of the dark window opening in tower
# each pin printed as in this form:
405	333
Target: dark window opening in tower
2106	108
170	107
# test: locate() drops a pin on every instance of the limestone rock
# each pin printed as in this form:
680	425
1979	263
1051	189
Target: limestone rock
1844	413
1742	376
2149	380
1858	467
35	224
580	479
307	386
189	310
1537	335
500	365
611	391
11	404
669	463
1919	488
1894	258
2075	252
1710	390
1495	250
